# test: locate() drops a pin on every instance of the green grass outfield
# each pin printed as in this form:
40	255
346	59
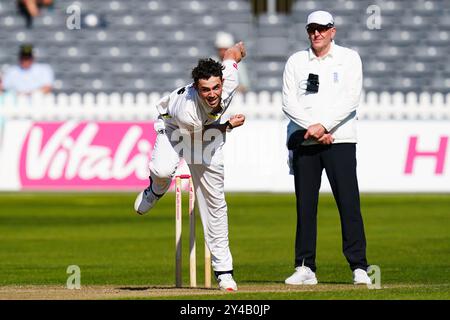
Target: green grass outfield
41	234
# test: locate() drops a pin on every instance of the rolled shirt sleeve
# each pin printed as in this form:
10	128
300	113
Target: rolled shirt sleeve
230	78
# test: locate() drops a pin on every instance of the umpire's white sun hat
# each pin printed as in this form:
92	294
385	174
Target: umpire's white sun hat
320	17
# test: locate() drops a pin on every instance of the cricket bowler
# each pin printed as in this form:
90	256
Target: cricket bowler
189	126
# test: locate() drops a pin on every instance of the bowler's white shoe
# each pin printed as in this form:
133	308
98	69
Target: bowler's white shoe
226	282
302	275
360	276
145	201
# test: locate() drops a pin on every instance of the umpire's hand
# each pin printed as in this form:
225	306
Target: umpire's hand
315	131
327	138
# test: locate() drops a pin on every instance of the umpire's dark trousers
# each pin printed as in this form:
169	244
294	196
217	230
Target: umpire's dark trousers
339	162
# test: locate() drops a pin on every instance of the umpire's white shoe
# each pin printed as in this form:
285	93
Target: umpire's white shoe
360	276
226	282
145	201
302	275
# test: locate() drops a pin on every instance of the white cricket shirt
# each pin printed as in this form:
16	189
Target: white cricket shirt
183	108
334	105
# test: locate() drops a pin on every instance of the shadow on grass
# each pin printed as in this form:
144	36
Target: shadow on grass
335	282
164	288
250	281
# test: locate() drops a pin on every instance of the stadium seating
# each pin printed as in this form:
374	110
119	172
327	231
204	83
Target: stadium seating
152	45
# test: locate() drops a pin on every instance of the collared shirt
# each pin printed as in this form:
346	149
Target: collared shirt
334	105
183	108
21	80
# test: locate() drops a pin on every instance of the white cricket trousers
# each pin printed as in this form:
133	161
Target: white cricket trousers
208	179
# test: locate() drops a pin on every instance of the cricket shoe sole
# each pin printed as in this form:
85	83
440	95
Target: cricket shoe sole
145	201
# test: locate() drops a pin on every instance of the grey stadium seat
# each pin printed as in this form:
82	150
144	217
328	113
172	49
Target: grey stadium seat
364	51
390	53
403	37
206	23
12	22
272	68
417	22
365	37
430	53
428	7
392	7
443	21
116	7
50	20
142	83
445	69
271	47
418	69
126	67
412	42
440	84
407	84
74	52
127	21
233	6
180	36
376	84
436	36
121	52
169	69
152	8
272	26
154	51
95	35
65	84
301	9
271	84
167	21
194	7
379	68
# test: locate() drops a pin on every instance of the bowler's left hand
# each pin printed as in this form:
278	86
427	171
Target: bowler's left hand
237	120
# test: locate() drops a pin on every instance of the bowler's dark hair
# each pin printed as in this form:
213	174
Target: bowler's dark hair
207	68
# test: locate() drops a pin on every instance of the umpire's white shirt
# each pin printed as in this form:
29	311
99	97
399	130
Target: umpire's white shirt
334	106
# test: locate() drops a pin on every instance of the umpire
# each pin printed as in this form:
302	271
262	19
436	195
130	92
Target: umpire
321	91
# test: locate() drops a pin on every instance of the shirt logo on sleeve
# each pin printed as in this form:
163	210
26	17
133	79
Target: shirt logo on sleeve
335	77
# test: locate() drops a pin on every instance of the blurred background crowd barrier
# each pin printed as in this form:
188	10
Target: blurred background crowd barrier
104	142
